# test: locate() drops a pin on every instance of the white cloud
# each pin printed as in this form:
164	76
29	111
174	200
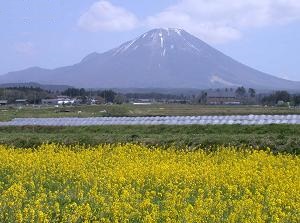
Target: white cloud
222	21
215	21
25	48
104	16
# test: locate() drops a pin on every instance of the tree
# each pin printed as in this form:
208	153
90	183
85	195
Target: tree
82	92
296	100
74	92
282	96
251	92
240	92
119	99
108	95
203	98
32	94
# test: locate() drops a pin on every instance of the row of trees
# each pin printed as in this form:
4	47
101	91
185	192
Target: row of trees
274	98
242	92
246	96
281	96
33	95
156	96
108	96
250	96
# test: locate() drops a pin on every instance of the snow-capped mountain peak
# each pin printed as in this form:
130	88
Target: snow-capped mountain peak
162	41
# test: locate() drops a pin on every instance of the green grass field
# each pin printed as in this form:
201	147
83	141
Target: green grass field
8	113
280	138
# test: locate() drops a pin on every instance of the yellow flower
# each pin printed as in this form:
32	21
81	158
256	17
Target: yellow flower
133	183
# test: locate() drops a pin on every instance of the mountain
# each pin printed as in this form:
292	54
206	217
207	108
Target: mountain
160	58
37	85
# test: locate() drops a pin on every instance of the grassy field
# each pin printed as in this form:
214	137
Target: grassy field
8	113
280	138
132	183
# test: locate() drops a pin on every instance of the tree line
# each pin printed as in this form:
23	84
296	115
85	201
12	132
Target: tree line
34	95
281	97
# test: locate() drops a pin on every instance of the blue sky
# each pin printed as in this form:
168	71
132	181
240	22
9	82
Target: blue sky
263	34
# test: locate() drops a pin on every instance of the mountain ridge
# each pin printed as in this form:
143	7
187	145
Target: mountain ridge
36	85
160	58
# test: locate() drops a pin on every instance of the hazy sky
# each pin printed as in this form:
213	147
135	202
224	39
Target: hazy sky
264	34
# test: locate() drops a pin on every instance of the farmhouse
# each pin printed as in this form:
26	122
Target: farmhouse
142	101
21	101
50	101
222	98
3	102
58	101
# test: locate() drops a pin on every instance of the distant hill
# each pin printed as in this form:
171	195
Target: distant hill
160	58
37	85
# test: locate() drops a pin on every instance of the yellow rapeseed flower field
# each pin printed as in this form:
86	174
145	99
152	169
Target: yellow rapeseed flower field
132	183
